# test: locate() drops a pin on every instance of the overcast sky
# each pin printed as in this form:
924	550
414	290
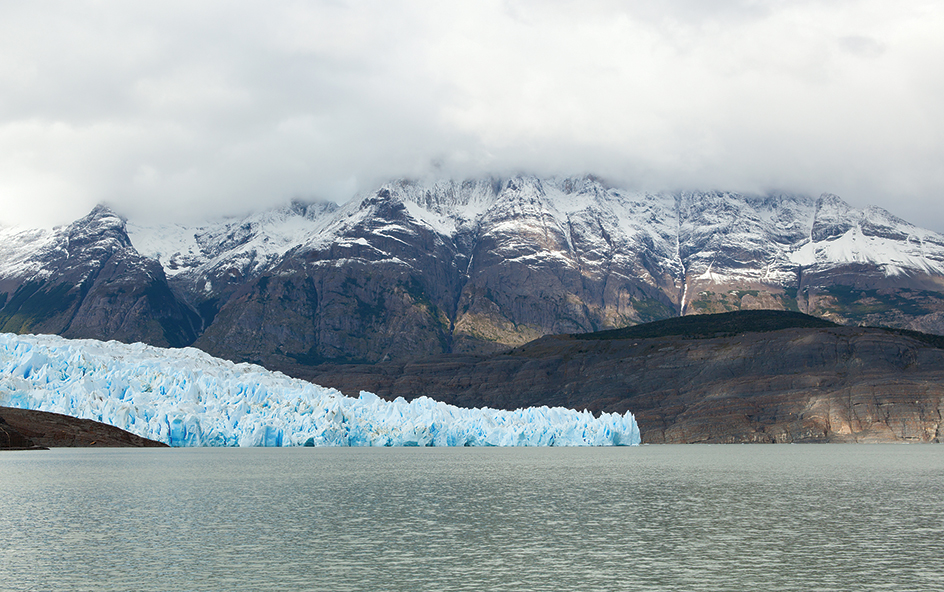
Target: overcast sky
181	109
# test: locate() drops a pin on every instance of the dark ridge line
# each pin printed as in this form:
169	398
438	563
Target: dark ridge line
729	324
708	326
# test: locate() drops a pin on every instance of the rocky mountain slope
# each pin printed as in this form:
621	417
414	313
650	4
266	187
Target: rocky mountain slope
422	268
746	376
87	280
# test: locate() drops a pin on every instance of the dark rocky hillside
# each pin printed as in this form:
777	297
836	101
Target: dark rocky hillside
24	429
88	281
714	325
11	439
763	377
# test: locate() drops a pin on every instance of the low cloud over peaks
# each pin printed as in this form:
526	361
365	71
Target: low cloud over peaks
183	111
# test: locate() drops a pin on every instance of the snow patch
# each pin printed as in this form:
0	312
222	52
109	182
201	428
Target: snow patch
444	225
19	248
854	247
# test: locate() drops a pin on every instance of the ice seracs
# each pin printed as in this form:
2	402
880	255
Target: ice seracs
184	397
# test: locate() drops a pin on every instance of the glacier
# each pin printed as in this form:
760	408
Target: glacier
185	397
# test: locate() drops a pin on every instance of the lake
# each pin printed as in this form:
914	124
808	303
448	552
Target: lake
697	517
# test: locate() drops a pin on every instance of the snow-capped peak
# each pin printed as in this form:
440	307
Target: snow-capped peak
246	244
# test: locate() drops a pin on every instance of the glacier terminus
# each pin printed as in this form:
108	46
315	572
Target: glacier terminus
185	397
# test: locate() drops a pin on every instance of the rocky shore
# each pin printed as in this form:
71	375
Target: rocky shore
22	429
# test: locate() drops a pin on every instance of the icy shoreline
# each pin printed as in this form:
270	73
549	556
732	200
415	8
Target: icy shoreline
185	397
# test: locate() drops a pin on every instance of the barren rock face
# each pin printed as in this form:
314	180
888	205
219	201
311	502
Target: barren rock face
87	281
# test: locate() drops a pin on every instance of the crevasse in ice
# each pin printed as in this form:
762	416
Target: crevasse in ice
185	397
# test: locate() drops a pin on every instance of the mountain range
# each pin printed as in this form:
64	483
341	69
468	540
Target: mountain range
424	268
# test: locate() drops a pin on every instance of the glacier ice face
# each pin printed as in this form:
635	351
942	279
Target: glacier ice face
185	397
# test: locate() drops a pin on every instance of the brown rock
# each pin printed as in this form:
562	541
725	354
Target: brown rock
10	439
61	431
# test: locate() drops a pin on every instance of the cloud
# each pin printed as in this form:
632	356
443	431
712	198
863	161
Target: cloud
177	110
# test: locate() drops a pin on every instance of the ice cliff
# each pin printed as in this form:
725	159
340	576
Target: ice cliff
185	397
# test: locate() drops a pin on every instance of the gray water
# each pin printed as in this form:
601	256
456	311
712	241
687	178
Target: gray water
760	517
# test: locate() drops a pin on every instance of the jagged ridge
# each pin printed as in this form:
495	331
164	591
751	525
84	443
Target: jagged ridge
419	268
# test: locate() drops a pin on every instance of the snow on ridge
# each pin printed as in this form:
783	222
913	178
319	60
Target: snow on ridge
776	229
775	226
443	224
257	239
443	205
18	249
186	397
854	246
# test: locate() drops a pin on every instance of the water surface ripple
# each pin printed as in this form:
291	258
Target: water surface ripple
699	518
